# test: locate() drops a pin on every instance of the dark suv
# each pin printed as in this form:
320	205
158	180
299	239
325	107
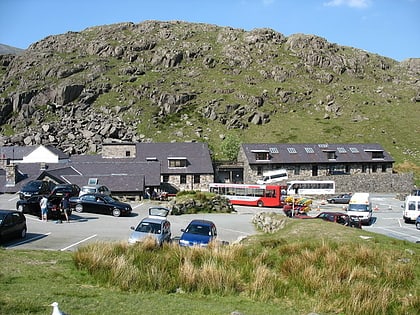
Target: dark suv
35	188
31	204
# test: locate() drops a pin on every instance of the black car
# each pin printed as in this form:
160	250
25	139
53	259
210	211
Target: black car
99	203
36	188
12	225
31	204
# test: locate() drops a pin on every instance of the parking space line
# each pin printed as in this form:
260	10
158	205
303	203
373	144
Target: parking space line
14	197
27	240
140	204
74	244
395	232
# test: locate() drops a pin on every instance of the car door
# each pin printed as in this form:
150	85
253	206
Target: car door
7	228
101	205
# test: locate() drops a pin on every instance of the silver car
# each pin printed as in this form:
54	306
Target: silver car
155	225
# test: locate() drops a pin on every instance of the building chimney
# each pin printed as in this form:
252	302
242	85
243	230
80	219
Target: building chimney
11	175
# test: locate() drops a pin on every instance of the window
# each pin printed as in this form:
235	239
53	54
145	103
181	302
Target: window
297	170
331	155
127	153
383	168
374	168
183	179
309	150
291	150
262	156
259	171
377	154
177	162
353	150
165	178
196	179
364	168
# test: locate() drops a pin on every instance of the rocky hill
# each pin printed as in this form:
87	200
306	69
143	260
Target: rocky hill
178	81
9	50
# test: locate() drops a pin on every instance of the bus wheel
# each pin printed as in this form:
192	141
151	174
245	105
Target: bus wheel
260	204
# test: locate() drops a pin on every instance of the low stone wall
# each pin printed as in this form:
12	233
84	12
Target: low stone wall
269	222
374	183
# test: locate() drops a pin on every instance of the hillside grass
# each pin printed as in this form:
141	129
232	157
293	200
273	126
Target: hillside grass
309	266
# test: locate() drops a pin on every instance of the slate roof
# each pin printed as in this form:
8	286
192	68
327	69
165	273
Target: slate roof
315	153
17	153
197	154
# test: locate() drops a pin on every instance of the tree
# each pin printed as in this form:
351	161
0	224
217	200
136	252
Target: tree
230	147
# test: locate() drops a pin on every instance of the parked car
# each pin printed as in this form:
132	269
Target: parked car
155	225
98	203
95	189
337	217
340	218
344	199
36	188
31	205
12	225
418	223
198	233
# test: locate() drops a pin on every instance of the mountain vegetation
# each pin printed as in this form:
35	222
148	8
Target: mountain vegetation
178	81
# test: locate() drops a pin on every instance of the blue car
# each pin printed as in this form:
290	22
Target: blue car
198	233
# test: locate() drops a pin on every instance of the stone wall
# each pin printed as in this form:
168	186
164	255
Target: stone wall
374	182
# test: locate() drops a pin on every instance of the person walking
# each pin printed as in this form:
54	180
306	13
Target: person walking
65	206
44	208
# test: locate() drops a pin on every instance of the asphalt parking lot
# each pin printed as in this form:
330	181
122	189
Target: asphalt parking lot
86	228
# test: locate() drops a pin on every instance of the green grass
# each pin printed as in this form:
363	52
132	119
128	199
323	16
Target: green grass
309	266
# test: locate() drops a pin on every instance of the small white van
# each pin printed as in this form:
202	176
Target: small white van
360	206
274	176
411	208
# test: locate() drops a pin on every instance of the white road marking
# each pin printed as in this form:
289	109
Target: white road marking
395	232
74	244
140	204
14	198
27	240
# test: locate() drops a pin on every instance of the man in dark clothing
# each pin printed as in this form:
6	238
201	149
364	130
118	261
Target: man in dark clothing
65	207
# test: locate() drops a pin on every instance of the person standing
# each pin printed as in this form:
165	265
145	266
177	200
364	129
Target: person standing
65	206
44	208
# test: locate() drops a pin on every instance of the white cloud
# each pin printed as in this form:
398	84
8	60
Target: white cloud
268	2
349	3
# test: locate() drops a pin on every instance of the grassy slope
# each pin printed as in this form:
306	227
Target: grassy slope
33	279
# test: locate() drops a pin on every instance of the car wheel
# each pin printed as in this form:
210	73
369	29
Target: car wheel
332	201
260	204
418	225
78	208
116	212
20	208
23	233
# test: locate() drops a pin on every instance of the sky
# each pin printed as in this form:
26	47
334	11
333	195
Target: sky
390	28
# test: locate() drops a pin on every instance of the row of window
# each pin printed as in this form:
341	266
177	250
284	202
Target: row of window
331	155
374	168
183	179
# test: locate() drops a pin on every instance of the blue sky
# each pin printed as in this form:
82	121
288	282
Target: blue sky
389	28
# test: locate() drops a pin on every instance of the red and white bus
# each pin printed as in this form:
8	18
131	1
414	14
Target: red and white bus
251	194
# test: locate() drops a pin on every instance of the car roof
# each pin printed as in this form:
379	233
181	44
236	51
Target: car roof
93	186
153	220
333	213
201	222
8	211
93	194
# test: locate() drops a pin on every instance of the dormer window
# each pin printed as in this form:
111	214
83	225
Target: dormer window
261	155
331	154
175	162
376	154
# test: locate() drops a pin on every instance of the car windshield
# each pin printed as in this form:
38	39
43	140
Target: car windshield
108	199
358	207
148	227
198	229
2	216
33	185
